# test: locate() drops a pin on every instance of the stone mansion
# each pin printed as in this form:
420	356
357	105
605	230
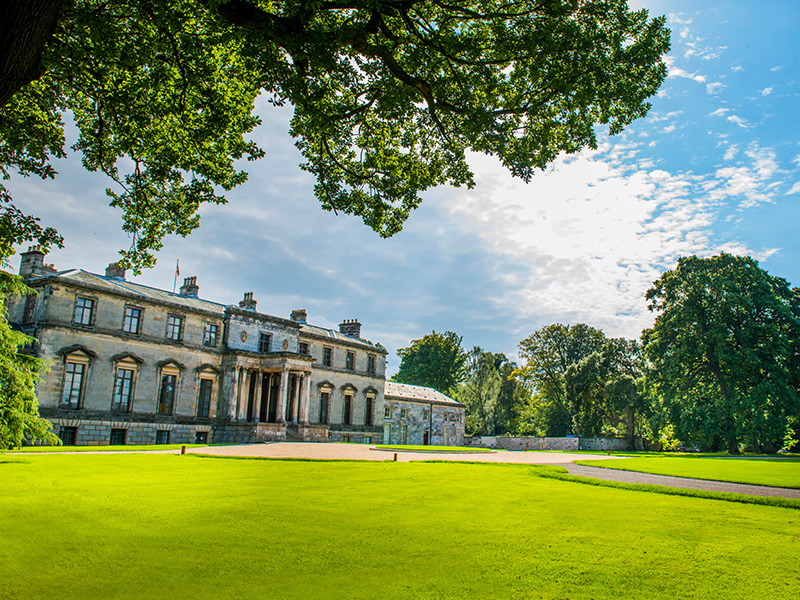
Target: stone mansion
131	364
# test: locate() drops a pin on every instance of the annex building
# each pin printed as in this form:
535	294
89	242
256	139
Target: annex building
131	364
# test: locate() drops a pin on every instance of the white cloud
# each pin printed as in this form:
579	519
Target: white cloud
795	189
776	68
766	91
731	152
738	120
669	129
673	71
720	112
715	87
737	68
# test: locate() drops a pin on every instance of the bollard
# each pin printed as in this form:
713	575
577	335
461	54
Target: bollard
183	449
395	457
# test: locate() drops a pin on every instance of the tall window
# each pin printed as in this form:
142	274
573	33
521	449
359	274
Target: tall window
368	413
264	340
133	320
327	356
350	361
371	363
204	397
83	311
123	390
166	396
348	406
324	402
387	412
175	328
210	335
73	385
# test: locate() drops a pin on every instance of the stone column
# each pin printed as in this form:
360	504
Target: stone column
233	397
241	406
305	397
257	398
282	393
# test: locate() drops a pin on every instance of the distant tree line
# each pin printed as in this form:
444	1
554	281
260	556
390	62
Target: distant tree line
719	370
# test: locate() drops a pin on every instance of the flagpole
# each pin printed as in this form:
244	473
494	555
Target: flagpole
177	272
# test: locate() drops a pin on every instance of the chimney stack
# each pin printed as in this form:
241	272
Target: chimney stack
299	315
32	262
350	328
248	303
115	270
190	287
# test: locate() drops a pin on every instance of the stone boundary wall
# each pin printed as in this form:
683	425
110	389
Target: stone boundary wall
568	444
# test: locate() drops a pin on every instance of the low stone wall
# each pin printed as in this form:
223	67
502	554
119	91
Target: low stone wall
568	444
98	433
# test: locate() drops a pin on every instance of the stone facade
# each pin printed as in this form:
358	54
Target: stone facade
137	365
421	416
567	444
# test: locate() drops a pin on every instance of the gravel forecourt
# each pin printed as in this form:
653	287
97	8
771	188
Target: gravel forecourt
321	451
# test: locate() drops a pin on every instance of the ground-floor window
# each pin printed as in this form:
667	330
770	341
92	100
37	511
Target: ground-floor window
387	433
162	436
324	401
204	397
118	437
368	412
201	437
166	396
367	439
346	439
348	405
404	434
68	435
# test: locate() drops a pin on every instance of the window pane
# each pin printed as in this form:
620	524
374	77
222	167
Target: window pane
167	395
123	390
73	382
132	319
204	401
174	327
324	400
210	335
83	311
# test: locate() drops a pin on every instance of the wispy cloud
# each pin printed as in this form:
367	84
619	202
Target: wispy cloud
766	91
715	87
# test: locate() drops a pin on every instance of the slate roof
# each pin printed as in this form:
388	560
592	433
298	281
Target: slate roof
418	393
118	285
339	337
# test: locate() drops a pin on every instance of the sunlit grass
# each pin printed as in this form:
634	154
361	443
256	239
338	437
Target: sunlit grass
171	526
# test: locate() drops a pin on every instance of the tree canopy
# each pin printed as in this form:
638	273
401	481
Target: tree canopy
548	353
725	351
436	360
388	96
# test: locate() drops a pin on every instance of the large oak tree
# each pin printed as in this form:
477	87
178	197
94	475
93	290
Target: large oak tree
388	96
725	348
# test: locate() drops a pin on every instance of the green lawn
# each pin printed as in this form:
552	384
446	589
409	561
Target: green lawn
170	526
126	448
431	448
780	472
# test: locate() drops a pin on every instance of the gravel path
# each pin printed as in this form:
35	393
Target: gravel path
359	452
679	482
564	459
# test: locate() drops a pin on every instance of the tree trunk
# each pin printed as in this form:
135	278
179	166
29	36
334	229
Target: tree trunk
25	28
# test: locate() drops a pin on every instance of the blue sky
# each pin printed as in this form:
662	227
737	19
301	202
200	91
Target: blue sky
714	166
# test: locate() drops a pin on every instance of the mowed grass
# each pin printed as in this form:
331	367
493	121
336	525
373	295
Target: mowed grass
779	472
170	526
